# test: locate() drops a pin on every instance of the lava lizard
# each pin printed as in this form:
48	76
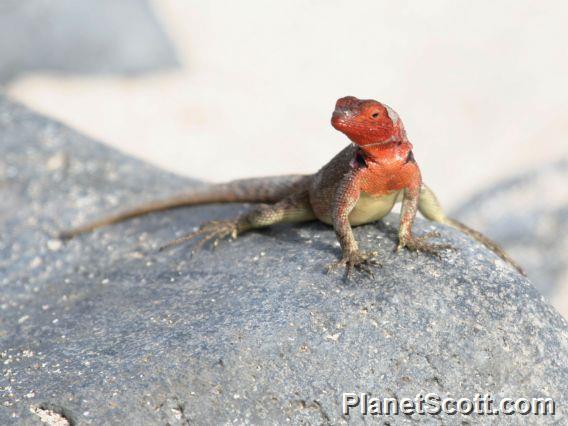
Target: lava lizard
359	185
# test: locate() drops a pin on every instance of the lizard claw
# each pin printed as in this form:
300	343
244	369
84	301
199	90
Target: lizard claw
431	234
213	231
421	244
362	261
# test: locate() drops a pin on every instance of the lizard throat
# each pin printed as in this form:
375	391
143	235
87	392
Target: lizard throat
380	151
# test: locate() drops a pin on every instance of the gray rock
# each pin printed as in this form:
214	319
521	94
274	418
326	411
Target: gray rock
106	330
81	36
528	215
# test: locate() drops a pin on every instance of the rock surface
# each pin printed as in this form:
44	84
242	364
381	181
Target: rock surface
81	36
528	215
105	329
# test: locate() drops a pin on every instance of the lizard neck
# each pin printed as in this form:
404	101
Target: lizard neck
387	152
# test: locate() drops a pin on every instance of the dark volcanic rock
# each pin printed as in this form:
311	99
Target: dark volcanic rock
104	329
81	36
528	215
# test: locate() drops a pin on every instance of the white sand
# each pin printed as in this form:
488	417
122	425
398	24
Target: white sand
481	87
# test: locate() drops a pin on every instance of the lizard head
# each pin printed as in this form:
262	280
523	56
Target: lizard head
367	122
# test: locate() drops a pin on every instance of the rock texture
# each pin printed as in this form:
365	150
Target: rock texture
106	330
81	36
528	214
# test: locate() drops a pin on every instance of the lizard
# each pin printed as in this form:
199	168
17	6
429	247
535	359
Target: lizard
360	185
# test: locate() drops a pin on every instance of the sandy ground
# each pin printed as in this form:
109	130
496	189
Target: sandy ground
481	87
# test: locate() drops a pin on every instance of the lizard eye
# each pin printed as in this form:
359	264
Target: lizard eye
375	115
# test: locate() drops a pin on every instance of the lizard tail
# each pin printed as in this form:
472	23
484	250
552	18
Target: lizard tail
253	190
490	244
429	206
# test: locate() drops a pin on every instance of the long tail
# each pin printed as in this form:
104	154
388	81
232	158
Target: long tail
254	190
430	207
490	244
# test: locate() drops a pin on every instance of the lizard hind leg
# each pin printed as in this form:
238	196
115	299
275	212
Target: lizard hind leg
423	245
429	206
215	230
295	208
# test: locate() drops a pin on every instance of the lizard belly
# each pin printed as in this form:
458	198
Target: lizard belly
370	208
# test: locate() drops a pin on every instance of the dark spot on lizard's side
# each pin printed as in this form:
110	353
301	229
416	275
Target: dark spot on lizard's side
360	159
410	158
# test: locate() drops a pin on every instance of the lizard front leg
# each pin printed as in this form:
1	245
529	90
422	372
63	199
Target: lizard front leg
405	236
346	198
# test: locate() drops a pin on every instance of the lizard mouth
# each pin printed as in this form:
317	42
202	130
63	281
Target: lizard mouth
344	122
339	121
386	142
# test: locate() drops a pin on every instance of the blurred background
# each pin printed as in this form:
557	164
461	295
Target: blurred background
219	90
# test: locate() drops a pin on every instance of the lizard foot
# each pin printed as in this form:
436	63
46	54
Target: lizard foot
422	244
213	231
362	261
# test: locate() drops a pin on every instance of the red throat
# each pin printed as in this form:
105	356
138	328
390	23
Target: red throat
387	151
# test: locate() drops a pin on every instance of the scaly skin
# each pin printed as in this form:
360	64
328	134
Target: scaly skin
359	185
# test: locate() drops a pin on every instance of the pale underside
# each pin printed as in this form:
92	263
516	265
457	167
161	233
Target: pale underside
370	208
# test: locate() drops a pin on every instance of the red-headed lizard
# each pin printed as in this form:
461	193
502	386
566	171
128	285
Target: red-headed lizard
359	185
